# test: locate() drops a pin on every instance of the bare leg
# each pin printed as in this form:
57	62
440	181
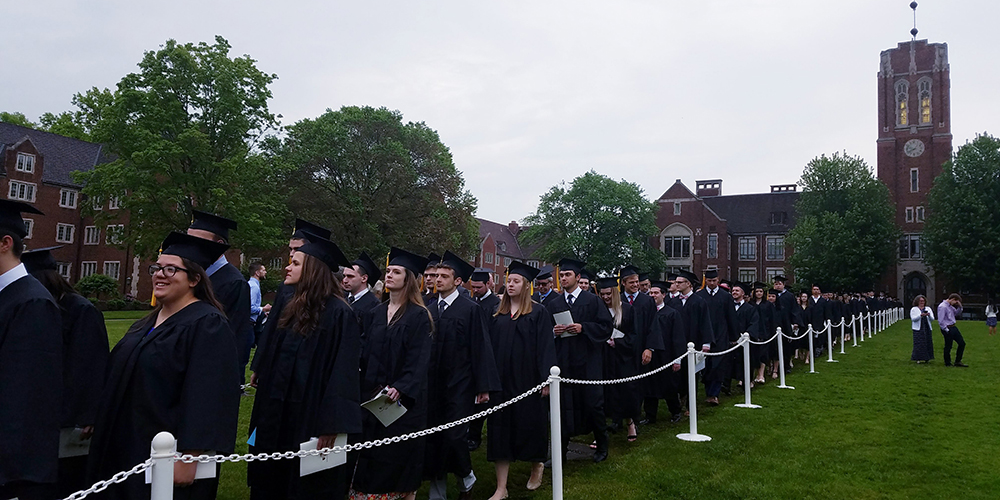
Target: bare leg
535	481
502	469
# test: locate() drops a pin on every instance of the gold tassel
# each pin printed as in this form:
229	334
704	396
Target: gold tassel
555	278
152	297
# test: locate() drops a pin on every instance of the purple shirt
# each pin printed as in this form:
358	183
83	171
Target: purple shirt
946	314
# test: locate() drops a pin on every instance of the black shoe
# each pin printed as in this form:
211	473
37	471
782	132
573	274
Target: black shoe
727	391
474	445
600	456
676	418
961	365
647	421
548	464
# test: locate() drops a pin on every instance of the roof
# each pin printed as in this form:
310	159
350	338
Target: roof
62	155
751	213
502	236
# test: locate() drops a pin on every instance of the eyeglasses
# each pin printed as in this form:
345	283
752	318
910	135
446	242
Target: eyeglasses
168	270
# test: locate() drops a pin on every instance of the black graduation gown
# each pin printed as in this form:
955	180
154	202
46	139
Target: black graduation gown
85	359
30	383
668	331
178	378
816	313
308	387
233	292
397	356
461	366
723	318
768	322
697	322
579	357
787	311
365	303
643	313
616	399
490	304
747	321
525	351
281	297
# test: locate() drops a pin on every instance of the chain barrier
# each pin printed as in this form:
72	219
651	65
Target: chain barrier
625	380
739	344
115	479
768	341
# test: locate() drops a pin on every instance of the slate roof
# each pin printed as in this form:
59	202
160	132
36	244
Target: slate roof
751	213
61	154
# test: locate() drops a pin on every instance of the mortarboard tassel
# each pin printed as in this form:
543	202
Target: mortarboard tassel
556	279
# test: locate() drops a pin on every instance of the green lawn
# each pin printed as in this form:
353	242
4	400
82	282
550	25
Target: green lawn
873	426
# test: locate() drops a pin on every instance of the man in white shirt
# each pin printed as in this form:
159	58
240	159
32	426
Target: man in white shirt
357	281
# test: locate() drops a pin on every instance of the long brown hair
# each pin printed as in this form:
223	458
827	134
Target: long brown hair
202	291
412	295
316	285
523	301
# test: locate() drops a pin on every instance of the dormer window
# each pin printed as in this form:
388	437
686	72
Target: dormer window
25	163
902	95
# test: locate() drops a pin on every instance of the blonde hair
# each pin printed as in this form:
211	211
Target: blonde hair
524	301
616	304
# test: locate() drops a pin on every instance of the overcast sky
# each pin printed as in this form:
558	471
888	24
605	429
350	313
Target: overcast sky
529	94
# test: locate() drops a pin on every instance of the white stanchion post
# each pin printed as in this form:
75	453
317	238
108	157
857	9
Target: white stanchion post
861	325
829	342
854	329
781	361
746	373
163	449
869	325
812	350
842	320
692	435
555	426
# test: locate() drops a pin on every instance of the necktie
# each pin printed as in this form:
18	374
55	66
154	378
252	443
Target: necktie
442	305
630	299
711	292
350	299
569	299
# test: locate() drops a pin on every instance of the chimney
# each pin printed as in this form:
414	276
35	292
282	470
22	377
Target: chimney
784	188
513	227
709	188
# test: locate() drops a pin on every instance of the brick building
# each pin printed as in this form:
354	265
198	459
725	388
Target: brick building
743	236
914	142
499	246
36	167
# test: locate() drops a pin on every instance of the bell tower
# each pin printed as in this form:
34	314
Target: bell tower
914	141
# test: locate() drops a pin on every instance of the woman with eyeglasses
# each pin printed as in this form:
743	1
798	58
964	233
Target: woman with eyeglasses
173	371
308	379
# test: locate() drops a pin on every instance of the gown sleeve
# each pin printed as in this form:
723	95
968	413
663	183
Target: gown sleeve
209	404
339	410
484	366
417	354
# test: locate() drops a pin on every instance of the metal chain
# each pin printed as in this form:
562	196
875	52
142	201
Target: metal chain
115	479
250	457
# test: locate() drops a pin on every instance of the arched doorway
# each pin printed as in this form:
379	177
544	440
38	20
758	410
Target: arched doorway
914	284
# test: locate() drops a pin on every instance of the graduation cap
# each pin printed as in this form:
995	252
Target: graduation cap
643	276
662	285
368	265
411	261
212	223
585	274
671	276
305	230
462	268
571	265
611	282
198	250
433	260
688	275
771	291
628	271
779	278
40	259
530	273
743	286
725	284
10	216
326	251
711	273
483	275
758	284
545	273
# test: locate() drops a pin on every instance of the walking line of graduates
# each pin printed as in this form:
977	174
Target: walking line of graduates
329	344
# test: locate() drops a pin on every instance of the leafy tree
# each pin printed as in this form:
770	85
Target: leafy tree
598	220
377	182
64	123
184	131
845	237
962	234
17	118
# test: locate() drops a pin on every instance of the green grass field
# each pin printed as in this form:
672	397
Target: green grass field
872	426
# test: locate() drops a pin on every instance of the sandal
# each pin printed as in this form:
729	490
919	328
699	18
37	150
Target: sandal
634	433
593	446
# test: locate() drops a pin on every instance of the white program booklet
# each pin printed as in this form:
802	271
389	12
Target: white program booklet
309	465
384	409
71	445
564	318
617	334
699	361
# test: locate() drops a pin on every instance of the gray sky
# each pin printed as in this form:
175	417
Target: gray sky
529	93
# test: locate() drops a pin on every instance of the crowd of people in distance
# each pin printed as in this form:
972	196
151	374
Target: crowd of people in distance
436	341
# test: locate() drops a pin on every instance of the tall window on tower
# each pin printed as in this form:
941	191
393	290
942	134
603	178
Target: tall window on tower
925	100
902	95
